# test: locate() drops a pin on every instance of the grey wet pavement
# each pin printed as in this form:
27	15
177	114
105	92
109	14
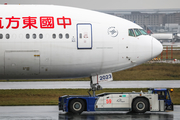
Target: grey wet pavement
52	113
86	84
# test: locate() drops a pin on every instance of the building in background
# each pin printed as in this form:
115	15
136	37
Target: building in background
157	21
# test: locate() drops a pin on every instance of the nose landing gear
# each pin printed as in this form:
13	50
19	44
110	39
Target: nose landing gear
94	87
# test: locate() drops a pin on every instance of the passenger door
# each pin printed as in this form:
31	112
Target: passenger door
84	36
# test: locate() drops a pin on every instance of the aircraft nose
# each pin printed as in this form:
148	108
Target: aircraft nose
157	48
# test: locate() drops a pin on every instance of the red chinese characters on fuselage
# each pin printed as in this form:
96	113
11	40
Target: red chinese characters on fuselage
1	27
46	22
13	19
29	22
62	21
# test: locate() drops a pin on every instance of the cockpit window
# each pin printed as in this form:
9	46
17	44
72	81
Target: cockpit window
131	32
143	32
137	32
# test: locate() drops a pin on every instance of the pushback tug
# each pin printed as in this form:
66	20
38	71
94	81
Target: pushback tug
155	100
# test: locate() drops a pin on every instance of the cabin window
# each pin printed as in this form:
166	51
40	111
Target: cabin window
1	36
143	32
34	36
80	35
40	36
60	36
27	36
131	32
53	36
7	36
67	36
137	32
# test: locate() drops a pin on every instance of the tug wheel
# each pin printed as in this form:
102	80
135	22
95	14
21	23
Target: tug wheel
77	106
140	105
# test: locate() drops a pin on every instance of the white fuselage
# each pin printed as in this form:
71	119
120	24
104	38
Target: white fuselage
78	43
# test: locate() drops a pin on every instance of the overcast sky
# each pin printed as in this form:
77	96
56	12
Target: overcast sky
105	4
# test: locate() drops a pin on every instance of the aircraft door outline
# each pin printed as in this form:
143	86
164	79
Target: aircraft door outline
22	62
84	36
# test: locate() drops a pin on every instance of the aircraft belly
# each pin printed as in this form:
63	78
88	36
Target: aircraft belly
75	70
57	71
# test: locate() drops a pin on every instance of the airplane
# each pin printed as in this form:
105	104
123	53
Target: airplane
173	37
50	41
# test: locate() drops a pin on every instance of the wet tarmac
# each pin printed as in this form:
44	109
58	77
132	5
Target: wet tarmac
52	113
86	84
